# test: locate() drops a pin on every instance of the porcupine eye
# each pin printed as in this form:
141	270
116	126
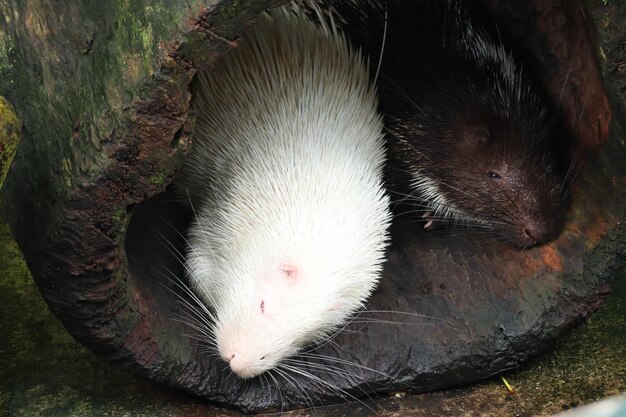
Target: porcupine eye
494	176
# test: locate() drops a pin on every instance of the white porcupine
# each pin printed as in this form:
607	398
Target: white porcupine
285	177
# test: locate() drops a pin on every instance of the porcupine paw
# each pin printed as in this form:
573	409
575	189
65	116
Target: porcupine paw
428	217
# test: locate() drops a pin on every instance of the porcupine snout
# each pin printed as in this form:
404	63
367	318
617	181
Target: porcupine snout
541	232
535	229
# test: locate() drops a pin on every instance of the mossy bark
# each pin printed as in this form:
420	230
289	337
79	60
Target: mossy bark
103	91
9	136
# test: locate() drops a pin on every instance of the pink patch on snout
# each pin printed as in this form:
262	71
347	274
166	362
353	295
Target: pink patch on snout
240	366
240	363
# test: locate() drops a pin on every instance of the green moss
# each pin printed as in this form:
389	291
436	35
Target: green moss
44	372
7	48
9	136
141	28
118	215
66	170
587	365
159	179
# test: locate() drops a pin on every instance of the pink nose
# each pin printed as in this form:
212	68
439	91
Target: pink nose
243	367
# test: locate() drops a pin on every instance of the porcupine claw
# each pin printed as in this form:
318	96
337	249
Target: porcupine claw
429	224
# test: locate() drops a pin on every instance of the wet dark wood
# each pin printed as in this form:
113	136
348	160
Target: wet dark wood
106	126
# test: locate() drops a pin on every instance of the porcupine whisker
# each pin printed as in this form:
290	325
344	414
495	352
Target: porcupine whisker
229	373
335	360
449	208
314	378
382	49
199	224
423	207
514	205
177	282
571	176
356	319
388	322
479	197
460	216
283	372
278	389
326	368
582	113
206	346
318	383
483	200
263	378
571	181
173	278
318	356
344	372
568	172
173	249
568	72
333	370
328	339
402	313
203	334
294	383
469	224
405	143
404	94
337	347
405	171
405	197
198	317
423	211
180	257
197	320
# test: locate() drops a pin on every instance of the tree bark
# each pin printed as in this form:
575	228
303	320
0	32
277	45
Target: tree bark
9	137
103	90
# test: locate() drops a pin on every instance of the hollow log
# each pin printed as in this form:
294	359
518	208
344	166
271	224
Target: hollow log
103	90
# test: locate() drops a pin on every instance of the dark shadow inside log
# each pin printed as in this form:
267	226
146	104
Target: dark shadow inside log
451	308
